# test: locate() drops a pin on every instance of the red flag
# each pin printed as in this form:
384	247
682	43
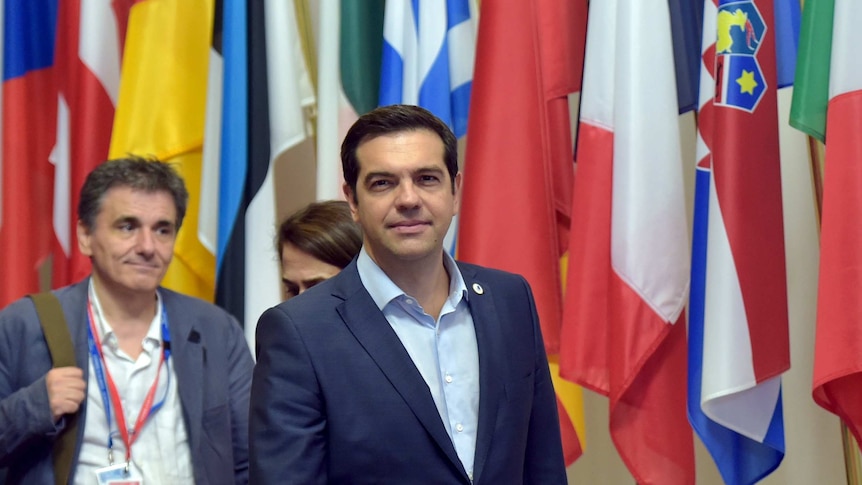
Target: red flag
87	63
827	104
518	167
624	328
29	121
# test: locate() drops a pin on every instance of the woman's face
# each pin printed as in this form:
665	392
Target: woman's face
300	270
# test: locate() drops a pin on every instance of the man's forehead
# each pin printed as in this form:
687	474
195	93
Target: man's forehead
390	159
123	202
399	136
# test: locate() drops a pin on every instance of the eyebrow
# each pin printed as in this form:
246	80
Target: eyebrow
372	175
124	219
137	220
418	171
307	283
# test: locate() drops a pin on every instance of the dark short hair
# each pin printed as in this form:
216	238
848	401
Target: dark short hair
396	118
137	173
325	230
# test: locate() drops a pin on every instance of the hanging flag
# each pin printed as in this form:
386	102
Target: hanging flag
232	152
216	97
738	341
827	104
686	20
361	48
348	82
232	155
29	128
518	167
428	51
624	329
87	65
161	113
428	55
278	88
788	15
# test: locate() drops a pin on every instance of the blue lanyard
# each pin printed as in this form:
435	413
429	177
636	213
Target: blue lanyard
101	372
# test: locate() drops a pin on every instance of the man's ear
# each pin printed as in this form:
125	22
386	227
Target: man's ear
351	199
83	239
457	192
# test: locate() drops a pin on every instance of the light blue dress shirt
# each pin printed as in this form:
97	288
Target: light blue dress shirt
444	351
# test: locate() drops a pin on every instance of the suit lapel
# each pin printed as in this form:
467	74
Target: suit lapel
492	362
188	355
367	323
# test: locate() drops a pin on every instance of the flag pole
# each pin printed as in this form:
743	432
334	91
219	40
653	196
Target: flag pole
852	456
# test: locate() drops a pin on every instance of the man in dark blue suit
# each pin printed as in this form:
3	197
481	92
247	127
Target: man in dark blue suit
406	367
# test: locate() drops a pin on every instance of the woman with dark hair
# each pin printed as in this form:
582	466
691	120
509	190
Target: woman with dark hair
315	243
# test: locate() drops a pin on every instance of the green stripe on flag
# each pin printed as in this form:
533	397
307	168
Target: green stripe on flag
811	86
361	51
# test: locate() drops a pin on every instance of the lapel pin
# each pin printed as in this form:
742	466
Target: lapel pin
478	288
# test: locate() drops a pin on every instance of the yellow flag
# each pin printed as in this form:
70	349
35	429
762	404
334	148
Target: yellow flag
161	113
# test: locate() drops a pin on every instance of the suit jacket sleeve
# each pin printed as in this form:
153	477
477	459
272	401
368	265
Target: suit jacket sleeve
287	422
544	462
241	365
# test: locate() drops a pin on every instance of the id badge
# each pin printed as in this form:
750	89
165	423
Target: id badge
117	475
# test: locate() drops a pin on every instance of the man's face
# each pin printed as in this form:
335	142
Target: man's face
132	239
300	270
404	197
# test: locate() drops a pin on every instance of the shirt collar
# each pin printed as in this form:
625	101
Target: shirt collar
105	330
383	290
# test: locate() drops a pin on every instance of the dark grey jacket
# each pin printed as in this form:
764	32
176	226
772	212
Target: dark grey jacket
213	367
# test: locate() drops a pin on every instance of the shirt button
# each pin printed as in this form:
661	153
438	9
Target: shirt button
408	301
448	378
459	427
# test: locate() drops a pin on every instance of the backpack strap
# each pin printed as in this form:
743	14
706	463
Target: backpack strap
62	352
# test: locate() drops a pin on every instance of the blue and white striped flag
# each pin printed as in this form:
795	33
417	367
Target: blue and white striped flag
428	55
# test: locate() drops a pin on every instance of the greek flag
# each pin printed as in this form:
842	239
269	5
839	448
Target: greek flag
428	54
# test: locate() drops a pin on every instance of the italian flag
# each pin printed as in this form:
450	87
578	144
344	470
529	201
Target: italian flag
827	104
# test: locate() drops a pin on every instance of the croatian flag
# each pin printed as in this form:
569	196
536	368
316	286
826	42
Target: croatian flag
428	54
738	331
